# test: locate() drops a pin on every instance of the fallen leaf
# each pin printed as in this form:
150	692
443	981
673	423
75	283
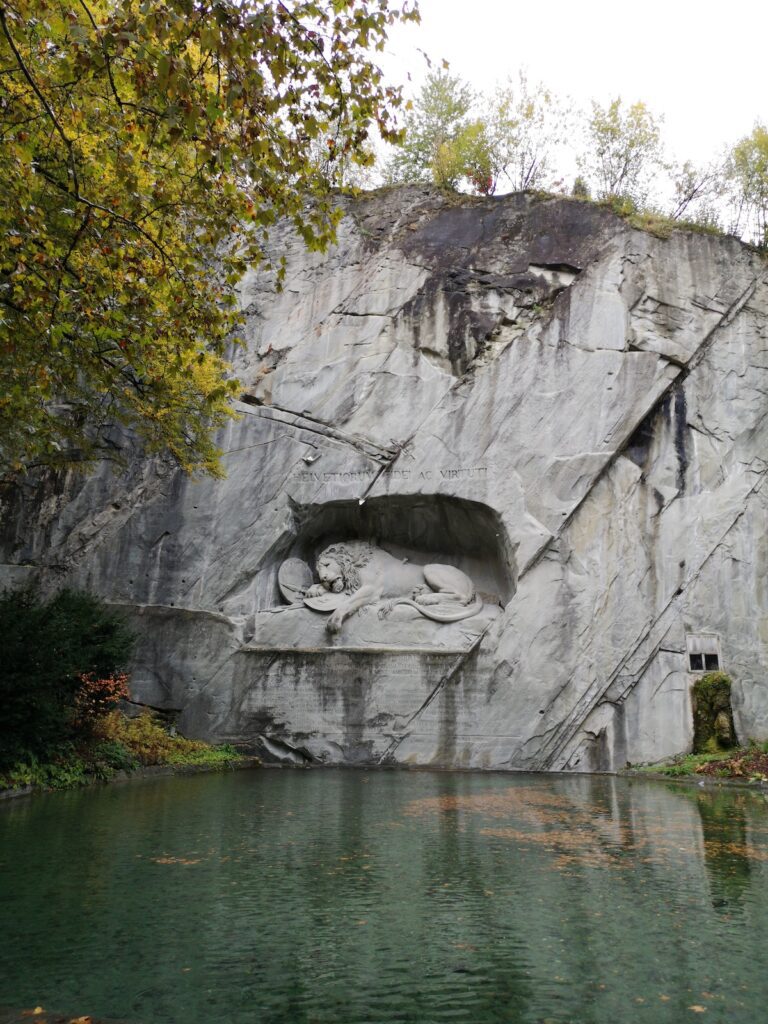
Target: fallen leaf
174	860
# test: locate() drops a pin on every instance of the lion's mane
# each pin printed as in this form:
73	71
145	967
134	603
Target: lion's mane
352	556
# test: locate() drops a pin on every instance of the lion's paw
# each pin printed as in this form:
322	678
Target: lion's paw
334	623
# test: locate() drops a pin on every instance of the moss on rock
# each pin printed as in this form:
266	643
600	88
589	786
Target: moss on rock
713	728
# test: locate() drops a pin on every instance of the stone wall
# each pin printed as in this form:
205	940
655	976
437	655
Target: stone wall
571	411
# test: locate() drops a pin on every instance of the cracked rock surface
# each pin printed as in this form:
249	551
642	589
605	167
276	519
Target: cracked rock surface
570	410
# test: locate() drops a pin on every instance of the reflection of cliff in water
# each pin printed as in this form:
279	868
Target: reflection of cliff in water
726	853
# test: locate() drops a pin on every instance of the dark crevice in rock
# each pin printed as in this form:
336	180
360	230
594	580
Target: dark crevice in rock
680	437
638	446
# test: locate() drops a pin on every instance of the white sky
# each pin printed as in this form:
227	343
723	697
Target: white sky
701	65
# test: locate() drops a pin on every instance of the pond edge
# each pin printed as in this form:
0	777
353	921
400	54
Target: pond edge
153	771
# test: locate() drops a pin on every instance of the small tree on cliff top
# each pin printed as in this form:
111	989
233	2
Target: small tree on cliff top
623	151
143	143
524	124
453	136
747	175
437	119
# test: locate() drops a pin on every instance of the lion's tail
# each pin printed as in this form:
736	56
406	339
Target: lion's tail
429	611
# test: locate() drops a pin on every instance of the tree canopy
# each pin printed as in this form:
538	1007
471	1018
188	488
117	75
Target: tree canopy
747	174
524	124
148	146
434	124
454	136
624	150
522	136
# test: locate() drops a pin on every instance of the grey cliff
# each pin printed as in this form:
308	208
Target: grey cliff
526	394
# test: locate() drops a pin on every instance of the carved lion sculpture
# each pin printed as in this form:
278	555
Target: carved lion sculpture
369	575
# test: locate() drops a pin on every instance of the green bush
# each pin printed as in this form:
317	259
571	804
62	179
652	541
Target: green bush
67	771
109	757
146	740
713	728
48	644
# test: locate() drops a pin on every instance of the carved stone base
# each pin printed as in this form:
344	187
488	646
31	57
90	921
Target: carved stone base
364	707
295	628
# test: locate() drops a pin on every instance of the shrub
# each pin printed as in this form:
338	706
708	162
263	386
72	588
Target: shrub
116	743
108	757
713	727
67	771
97	697
148	742
49	647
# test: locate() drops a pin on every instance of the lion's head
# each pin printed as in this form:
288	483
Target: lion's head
338	566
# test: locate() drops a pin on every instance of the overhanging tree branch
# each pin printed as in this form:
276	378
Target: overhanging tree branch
36	89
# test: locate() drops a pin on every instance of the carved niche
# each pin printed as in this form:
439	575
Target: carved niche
354	574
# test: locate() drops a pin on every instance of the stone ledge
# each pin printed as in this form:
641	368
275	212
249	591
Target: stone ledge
297	629
354	649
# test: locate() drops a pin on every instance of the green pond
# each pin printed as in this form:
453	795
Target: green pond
344	897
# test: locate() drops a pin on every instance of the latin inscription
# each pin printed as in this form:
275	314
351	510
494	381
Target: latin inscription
309	476
476	472
365	475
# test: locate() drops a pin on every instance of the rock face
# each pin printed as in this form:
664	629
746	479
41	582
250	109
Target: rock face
571	412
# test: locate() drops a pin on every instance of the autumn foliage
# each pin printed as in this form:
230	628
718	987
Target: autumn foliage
97	696
150	743
62	666
147	150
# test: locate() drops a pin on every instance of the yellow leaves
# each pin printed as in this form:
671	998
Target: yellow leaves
175	860
162	134
38	1011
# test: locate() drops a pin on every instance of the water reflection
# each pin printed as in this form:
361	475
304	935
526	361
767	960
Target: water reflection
726	844
351	897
